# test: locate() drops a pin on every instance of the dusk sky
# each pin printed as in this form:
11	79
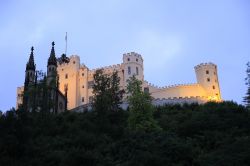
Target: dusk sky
172	36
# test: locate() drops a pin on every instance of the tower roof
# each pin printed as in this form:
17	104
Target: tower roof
31	64
52	58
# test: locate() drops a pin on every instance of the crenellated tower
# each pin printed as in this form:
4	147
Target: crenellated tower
207	77
133	65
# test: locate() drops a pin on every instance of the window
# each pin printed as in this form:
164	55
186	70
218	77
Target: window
146	90
83	86
207	72
82	74
137	71
213	87
214	73
128	59
90	84
136	60
74	62
66	76
208	79
82	99
129	70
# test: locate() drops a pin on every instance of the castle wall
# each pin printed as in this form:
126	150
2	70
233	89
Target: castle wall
177	91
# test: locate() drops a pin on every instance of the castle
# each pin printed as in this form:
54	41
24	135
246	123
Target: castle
77	79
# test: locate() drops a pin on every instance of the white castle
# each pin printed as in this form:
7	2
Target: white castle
78	79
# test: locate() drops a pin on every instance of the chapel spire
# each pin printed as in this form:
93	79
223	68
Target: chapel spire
31	64
52	58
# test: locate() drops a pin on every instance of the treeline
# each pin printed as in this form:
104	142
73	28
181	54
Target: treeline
210	134
213	134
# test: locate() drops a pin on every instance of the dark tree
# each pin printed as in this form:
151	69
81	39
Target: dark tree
107	95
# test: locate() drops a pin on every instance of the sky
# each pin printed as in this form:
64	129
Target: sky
172	36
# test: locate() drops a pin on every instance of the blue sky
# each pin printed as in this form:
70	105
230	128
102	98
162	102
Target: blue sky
172	36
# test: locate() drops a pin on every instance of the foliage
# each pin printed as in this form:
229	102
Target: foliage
107	95
140	108
212	134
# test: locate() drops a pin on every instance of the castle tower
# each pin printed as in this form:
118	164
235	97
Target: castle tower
52	67
133	65
207	77
69	80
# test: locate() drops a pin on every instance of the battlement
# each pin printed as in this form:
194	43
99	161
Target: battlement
134	54
171	86
71	59
205	64
110	67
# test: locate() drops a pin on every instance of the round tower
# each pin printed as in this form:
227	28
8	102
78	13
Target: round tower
207	77
133	65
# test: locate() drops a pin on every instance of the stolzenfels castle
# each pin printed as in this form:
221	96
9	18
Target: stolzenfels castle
76	81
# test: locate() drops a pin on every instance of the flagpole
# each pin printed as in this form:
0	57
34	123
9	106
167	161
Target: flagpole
66	42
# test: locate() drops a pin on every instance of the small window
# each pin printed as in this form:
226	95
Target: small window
136	60
74	62
137	71
83	86
146	90
90	84
213	87
82	74
129	70
82	99
128	59
217	94
62	69
208	79
66	76
207	72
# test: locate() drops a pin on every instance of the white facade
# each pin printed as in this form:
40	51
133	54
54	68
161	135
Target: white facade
78	79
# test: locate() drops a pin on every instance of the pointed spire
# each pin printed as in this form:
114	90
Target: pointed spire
52	58
31	64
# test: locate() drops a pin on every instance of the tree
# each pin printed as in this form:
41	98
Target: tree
107	94
140	108
246	99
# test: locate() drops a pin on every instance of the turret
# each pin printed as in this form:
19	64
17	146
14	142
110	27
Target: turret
52	67
30	70
133	65
207	77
